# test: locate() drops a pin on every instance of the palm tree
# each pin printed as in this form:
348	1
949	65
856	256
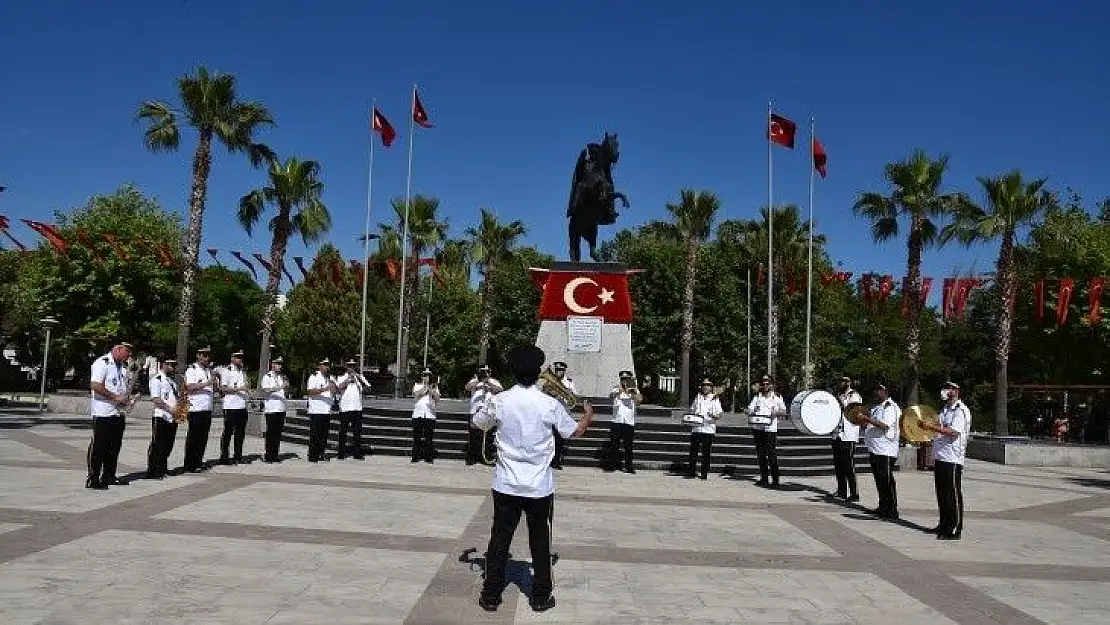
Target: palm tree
693	214
455	258
294	190
209	105
916	197
492	242
426	231
1011	203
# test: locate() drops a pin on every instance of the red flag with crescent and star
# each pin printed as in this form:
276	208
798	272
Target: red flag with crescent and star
419	113
570	293
820	159
381	125
782	131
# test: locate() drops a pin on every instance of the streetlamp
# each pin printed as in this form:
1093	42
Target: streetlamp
48	323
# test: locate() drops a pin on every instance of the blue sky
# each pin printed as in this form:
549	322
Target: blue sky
517	88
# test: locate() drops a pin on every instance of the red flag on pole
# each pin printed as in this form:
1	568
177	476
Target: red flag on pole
1094	299
948	298
820	159
1064	299
1038	296
419	113
111	239
4	223
239	255
381	125
782	131
50	233
299	260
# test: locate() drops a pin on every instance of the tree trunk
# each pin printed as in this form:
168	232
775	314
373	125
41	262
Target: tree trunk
913	322
688	320
202	166
487	317
1007	292
273	283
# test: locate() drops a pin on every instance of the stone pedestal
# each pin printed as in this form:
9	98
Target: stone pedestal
594	373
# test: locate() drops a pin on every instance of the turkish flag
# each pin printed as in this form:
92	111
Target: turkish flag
49	232
781	131
820	159
1094	299
570	293
1064	299
419	113
381	125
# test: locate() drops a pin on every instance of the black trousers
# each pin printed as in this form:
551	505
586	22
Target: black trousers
620	439
766	450
560	450
703	444
196	439
275	422
423	437
350	422
103	454
882	467
506	516
844	463
475	453
948	478
318	426
163	434
235	425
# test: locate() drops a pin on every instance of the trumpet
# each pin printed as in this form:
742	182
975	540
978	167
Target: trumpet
551	385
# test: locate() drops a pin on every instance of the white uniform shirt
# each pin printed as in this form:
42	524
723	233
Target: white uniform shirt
319	404
624	408
151	365
351	399
425	406
879	442
767	406
706	406
162	387
946	448
202	399
115	378
272	384
848	431
482	393
236	378
569	383
524	417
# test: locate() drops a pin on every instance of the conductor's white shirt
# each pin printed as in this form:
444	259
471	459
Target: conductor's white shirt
524	416
879	442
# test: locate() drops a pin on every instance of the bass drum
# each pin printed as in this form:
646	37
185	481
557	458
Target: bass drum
815	412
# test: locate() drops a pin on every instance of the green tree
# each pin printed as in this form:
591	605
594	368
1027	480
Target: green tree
211	106
694	214
232	305
491	244
515	303
1011	204
294	190
915	197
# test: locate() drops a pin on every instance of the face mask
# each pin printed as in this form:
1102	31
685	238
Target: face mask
944	395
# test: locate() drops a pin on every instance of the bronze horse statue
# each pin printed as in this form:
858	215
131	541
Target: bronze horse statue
593	195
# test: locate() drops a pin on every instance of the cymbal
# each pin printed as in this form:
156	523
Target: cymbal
913	432
853	413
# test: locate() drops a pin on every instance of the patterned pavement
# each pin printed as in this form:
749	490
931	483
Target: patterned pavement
379	541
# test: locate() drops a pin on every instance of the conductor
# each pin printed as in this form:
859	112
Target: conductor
523	481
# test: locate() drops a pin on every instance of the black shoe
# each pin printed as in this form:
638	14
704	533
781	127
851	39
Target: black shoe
761	482
415	459
703	476
241	460
113	481
224	460
853	498
268	460
948	536
931	530
359	457
95	484
775	485
689	476
489	604
341	457
630	471
314	459
429	460
543	605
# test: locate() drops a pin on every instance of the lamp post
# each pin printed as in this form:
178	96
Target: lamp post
48	323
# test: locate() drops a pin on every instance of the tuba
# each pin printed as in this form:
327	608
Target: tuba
551	385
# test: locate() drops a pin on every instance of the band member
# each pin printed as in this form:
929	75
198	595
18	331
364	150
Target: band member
426	393
625	397
560	370
274	386
707	406
233	385
163	394
767	406
351	385
523	481
882	444
199	386
109	384
321	397
949	450
481	388
844	443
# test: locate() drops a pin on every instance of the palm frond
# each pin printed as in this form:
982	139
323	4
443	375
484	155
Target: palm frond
251	207
162	132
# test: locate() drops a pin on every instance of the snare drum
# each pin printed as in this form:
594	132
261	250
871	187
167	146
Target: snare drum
692	420
760	420
815	412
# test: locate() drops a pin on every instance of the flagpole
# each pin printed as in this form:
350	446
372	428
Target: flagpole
748	349
428	321
366	243
770	244
398	373
809	274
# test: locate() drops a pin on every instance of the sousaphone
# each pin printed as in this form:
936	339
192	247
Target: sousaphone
912	431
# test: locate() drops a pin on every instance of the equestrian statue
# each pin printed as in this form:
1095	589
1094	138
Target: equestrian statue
593	195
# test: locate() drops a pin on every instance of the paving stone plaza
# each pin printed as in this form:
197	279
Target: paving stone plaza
379	541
